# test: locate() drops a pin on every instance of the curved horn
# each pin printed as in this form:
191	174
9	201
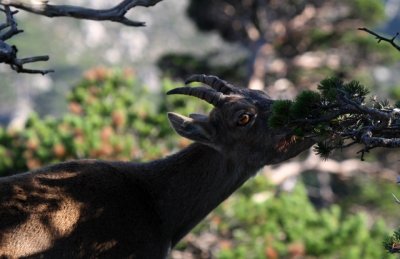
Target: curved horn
209	95
212	81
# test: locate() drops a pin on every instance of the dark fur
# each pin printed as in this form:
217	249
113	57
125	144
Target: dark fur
98	209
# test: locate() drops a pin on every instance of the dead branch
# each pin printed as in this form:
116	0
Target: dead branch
396	199
115	14
8	53
381	38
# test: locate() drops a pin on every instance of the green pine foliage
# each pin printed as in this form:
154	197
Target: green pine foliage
328	88
323	149
331	87
280	113
306	104
392	243
307	114
356	90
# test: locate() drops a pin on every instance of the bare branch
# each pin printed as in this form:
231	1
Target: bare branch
370	141
10	23
381	38
396	199
115	14
18	65
354	107
8	53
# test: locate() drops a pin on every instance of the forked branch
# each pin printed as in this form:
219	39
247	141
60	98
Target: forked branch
8	53
381	38
115	14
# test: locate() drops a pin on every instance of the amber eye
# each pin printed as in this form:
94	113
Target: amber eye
244	119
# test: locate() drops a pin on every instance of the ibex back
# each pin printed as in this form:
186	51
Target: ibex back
101	209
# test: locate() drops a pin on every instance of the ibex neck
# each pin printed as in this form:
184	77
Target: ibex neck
190	184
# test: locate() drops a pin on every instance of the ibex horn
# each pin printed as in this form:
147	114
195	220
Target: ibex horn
212	81
209	95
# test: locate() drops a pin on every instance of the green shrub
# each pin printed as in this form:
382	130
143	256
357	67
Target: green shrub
111	116
262	225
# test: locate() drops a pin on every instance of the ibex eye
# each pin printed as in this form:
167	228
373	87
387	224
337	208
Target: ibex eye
244	119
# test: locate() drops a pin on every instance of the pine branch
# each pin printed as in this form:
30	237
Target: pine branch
337	117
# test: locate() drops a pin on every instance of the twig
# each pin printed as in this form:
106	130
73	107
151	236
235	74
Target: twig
381	38
8	53
10	23
18	65
381	142
395	198
115	14
358	108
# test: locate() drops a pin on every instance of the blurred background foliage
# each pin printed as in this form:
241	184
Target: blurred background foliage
283	47
112	116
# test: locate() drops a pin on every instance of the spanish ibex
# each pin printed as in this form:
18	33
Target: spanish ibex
102	209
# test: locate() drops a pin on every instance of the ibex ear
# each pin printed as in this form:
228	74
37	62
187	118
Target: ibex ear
192	128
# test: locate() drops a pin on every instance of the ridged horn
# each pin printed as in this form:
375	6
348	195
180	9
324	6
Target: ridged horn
212	81
209	95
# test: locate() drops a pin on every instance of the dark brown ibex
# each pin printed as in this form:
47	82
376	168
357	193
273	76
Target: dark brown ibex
101	209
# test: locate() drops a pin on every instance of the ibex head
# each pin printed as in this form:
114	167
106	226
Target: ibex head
238	125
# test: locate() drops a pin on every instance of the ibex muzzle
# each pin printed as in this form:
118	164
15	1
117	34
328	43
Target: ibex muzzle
92	208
